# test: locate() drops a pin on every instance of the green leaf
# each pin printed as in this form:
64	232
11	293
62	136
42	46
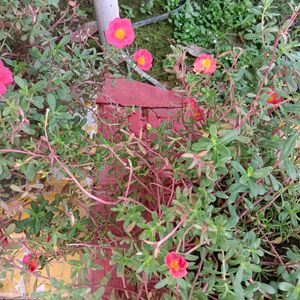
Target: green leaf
10	229
250	171
291	169
237	284
20	82
98	294
67	76
229	136
30	171
63	116
213	131
37	226
221	195
234	219
27	129
39	86
288	146
183	284
285	286
237	188
262	173
51	102
38	101
65	40
276	184
80	292
55	283
74	262
191	257
162	283
267	288
254	268
293	108
202	144
239	275
267	143
41	295
238	75
251	36
256	189
236	165
263	97
244	179
252	288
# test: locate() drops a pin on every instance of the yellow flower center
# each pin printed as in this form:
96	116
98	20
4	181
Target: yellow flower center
271	99
197	115
141	60
175	265
206	63
119	34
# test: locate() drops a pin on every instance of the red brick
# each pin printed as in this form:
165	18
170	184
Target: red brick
133	93
159	115
112	116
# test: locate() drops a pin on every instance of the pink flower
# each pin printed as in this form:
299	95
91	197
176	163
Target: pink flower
205	64
120	33
273	99
177	265
143	59
6	78
31	262
194	110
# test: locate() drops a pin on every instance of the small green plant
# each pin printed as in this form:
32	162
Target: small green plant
172	4
146	7
208	23
128	11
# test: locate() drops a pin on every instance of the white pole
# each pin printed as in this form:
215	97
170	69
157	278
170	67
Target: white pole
106	10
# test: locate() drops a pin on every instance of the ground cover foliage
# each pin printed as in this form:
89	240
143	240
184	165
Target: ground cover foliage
222	192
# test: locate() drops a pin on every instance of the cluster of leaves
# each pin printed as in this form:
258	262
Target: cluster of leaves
212	22
50	74
236	187
223	193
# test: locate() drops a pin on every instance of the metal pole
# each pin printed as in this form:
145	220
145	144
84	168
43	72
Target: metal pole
106	10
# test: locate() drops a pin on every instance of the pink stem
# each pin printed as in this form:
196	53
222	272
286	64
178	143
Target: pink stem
163	240
88	194
21	151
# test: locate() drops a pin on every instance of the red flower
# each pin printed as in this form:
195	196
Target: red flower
31	262
143	59
196	112
177	265
120	33
205	64
273	99
49	238
6	78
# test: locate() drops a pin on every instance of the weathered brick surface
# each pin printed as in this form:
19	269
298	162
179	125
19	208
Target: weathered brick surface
153	105
130	92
